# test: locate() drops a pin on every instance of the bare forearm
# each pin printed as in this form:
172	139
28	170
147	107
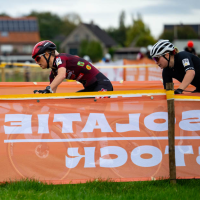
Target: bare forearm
189	76
57	81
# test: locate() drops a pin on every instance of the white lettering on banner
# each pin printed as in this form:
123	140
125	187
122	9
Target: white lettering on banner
97	118
22	122
43	123
153	161
73	162
180	151
150	124
116	162
132	126
67	120
190	124
99	121
122	156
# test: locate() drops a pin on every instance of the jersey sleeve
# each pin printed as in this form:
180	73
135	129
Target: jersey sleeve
60	62
187	62
167	77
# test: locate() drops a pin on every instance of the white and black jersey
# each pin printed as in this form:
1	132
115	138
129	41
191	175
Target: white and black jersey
183	61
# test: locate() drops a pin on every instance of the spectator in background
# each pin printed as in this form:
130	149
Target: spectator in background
190	48
149	47
142	53
86	57
26	72
107	58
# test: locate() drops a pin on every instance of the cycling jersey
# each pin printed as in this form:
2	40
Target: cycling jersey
183	61
80	70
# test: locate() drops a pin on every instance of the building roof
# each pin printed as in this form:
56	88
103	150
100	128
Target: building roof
19	30
125	50
28	24
101	34
196	27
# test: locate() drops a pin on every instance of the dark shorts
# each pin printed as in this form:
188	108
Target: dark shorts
102	84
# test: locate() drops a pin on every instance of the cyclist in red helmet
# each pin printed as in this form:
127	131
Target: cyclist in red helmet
66	66
190	48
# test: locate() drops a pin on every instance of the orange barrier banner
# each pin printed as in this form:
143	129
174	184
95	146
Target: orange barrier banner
76	140
143	69
9	88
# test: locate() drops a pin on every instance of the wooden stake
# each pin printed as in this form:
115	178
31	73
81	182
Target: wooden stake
3	74
171	131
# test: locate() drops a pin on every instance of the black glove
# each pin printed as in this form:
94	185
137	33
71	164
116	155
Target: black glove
47	90
35	91
178	91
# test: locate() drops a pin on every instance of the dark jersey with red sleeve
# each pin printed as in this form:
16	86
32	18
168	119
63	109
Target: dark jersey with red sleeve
76	69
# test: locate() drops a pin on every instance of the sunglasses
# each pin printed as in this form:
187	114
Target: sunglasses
37	58
156	59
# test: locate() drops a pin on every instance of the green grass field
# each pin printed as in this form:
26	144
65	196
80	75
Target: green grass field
162	189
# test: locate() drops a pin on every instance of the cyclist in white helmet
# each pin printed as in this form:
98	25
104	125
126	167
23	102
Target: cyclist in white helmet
183	66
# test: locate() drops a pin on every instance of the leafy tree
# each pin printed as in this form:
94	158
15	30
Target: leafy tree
144	40
73	18
139	34
167	34
51	25
3	14
70	22
122	29
115	34
119	34
83	48
111	51
91	48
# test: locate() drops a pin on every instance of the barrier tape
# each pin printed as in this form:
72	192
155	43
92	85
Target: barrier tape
114	94
3	64
170	94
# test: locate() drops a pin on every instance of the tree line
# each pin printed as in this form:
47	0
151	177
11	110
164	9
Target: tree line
137	34
52	26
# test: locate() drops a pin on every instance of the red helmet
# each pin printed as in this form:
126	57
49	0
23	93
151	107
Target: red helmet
42	46
190	44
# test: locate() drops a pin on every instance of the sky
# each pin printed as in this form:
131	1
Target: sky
105	13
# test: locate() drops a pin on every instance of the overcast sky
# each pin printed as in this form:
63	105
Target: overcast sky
105	13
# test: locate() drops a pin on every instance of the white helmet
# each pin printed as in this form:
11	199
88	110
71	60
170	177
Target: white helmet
149	47
107	56
143	50
161	47
86	57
